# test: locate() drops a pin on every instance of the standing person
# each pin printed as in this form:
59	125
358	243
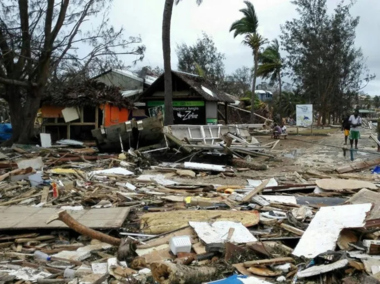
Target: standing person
283	129
355	121
346	127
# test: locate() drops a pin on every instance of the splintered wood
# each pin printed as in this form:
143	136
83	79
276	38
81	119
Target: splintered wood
157	223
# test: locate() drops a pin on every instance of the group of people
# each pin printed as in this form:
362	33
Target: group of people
351	127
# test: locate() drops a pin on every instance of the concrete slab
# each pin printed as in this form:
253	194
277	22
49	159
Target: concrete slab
22	217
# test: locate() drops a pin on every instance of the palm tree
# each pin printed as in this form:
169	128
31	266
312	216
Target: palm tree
248	26
271	64
166	25
255	42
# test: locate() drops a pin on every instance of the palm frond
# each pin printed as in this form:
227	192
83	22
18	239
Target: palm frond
248	24
254	41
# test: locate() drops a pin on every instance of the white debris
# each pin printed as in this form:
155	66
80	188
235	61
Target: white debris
218	232
331	221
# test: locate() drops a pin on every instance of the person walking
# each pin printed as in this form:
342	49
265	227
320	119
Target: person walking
355	122
346	128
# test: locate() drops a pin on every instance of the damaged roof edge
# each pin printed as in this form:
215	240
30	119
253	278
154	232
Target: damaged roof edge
202	86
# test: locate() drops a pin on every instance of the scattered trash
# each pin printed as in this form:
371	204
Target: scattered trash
69	214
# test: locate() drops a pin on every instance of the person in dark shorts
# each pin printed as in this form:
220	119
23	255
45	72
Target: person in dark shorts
346	128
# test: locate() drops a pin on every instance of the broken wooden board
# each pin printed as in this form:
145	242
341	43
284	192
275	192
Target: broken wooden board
166	238
264	271
342	185
157	223
357	166
330	221
277	261
257	190
21	217
321	269
367	196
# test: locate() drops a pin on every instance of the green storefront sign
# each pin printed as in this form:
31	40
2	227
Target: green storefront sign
178	103
184	112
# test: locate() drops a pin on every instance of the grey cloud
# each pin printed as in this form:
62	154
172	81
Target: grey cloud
143	17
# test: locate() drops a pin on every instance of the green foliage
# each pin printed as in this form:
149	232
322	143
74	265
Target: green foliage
376	101
248	24
255	42
238	83
285	104
271	63
322	57
202	58
247	99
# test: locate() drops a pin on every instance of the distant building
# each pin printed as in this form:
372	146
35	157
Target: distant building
195	100
105	100
264	95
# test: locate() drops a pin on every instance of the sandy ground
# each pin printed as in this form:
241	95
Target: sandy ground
299	153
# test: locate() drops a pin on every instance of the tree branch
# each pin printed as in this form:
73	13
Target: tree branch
7	54
6	81
25	48
61	19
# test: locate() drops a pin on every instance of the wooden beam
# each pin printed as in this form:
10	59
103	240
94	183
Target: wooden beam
226	112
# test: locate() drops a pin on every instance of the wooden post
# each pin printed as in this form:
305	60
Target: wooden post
96	117
226	112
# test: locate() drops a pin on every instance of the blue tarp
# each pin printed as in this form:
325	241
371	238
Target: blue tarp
5	131
240	279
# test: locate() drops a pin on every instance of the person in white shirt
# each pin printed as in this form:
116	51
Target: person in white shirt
355	122
283	128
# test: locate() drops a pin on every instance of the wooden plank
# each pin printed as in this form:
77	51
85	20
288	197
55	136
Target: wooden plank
342	185
157	223
280	260
44	194
252	193
292	229
21	217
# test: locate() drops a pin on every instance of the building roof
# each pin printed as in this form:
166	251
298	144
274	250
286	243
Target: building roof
149	80
89	93
366	111
263	92
198	84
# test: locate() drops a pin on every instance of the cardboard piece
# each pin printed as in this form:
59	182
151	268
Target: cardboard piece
70	114
45	140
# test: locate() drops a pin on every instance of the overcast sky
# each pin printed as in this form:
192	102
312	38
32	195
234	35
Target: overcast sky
144	17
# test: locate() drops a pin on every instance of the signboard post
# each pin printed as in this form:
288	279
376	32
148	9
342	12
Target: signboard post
304	115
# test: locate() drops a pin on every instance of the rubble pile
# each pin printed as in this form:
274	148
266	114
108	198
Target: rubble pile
72	215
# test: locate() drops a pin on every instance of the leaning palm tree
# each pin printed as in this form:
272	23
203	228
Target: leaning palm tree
255	42
271	64
166	24
248	26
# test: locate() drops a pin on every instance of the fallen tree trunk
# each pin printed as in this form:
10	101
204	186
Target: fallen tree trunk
170	273
81	229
